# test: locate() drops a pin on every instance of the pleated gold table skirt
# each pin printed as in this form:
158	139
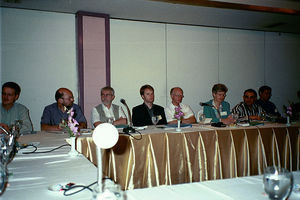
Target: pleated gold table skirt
168	158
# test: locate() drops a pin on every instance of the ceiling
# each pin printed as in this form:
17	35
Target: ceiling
266	15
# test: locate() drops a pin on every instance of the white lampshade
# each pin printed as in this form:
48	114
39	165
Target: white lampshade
105	135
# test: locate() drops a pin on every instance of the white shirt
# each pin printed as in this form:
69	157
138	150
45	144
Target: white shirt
95	117
170	111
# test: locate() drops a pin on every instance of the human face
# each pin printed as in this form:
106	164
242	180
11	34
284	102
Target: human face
265	95
9	96
177	96
67	98
249	98
107	97
219	96
148	96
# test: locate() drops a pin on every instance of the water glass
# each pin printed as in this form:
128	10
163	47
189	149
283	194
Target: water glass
278	182
110	120
155	120
3	177
202	119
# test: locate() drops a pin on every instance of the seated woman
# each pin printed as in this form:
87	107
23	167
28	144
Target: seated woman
217	109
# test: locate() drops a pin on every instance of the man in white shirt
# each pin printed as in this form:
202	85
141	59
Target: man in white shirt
176	94
108	112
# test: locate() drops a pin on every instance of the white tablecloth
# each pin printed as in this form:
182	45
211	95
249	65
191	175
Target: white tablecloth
32	174
245	188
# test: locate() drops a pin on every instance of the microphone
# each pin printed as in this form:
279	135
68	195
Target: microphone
205	104
129	128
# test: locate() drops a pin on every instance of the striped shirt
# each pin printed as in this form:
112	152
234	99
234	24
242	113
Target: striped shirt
245	111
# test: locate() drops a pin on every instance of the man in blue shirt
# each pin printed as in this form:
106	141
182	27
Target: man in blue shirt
12	111
53	114
265	93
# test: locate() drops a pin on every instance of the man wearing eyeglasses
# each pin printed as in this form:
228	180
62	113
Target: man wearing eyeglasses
107	111
248	108
176	94
55	113
12	111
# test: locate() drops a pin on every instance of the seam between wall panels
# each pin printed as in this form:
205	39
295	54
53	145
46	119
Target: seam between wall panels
166	62
218	55
264	58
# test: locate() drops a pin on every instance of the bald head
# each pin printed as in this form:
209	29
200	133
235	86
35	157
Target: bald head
64	97
176	95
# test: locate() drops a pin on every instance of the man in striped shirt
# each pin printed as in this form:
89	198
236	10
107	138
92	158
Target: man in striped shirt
248	108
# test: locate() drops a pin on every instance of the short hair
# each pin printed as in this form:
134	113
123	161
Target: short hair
12	85
219	88
144	87
264	88
58	94
108	88
171	91
250	90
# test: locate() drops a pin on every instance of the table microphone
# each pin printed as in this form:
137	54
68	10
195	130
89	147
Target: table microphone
205	104
128	129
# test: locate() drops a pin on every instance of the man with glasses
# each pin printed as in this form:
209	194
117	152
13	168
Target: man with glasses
248	108
107	111
217	109
12	111
176	94
55	113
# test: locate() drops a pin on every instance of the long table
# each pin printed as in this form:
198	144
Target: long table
167	157
32	174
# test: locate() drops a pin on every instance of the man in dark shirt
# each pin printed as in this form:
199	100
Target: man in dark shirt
54	113
265	93
142	114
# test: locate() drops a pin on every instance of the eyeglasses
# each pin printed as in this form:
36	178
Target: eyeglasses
178	95
70	98
221	95
106	95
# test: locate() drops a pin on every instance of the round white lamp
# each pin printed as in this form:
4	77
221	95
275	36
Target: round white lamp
105	136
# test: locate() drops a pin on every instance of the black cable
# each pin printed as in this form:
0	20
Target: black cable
83	187
131	135
34	151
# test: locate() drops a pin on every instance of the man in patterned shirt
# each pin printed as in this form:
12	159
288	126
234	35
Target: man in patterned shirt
248	108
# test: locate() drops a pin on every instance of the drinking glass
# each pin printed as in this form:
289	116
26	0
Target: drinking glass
155	120
110	120
3	177
278	182
263	115
202	119
235	117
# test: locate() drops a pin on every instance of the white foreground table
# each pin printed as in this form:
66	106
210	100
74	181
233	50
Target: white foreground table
246	188
32	174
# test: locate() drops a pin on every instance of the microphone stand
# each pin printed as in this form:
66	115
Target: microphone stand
128	129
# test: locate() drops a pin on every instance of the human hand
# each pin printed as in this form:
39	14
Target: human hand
5	126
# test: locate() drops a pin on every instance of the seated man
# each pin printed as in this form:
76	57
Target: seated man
12	111
142	114
176	94
217	108
265	93
248	108
102	112
53	114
